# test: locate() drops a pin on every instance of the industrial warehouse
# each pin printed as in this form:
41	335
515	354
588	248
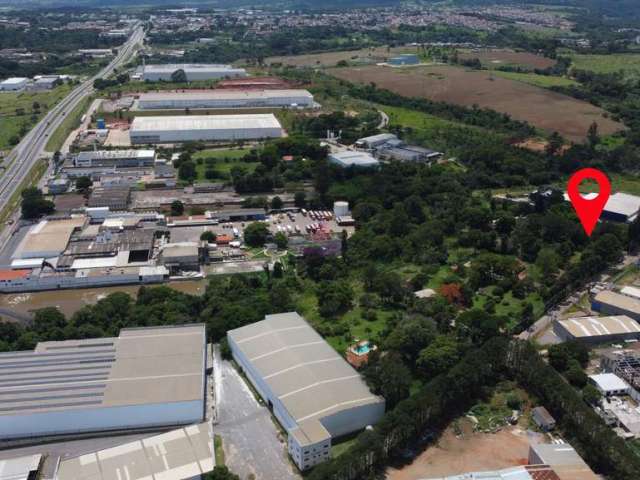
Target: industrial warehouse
598	329
145	377
193	72
158	130
313	392
226	99
115	158
609	302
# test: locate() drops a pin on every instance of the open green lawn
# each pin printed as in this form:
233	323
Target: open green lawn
625	183
510	306
222	161
11	121
543	81
628	62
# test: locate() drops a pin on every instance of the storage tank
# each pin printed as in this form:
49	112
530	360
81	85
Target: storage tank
340	209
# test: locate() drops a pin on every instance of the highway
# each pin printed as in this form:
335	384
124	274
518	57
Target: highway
32	147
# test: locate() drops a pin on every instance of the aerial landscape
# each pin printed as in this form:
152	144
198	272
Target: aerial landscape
341	240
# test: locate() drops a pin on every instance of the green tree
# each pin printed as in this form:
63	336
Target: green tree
548	261
208	236
177	208
388	376
179	76
83	184
255	234
300	199
220	472
442	354
592	135
187	171
276	203
281	241
34	204
591	394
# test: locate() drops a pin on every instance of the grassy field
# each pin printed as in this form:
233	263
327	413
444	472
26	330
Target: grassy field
629	63
625	183
543	81
493	58
222	161
36	173
71	122
11	123
542	108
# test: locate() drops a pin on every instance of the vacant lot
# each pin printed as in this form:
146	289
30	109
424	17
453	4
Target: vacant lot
629	63
469	452
500	58
544	81
542	108
329	59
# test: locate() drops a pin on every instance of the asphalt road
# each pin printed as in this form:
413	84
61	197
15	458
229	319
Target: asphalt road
252	443
32	147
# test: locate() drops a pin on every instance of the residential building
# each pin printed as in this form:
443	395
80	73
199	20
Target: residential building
311	390
543	419
145	377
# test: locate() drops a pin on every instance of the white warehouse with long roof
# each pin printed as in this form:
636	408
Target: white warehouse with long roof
145	377
225	99
207	128
313	392
193	72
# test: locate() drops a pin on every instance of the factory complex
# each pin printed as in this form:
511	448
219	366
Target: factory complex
143	378
225	98
311	389
179	129
598	329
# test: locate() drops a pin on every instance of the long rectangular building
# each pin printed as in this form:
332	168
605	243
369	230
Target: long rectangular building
150	130
225	99
145	377
116	158
598	329
313	392
193	72
609	302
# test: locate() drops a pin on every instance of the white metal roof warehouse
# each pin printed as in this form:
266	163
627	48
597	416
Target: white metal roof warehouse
155	73
314	393
176	129
145	377
225	99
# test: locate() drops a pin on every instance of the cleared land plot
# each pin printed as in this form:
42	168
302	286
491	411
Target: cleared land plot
222	161
329	59
16	109
547	110
501	58
627	62
469	452
543	81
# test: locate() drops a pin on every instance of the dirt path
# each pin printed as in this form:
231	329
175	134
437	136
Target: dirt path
467	453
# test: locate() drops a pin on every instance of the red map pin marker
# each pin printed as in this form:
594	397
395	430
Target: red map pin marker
589	209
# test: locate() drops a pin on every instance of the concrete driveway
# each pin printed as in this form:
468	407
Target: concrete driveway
252	443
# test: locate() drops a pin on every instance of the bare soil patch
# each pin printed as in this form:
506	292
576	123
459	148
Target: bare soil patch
329	59
496	58
547	110
469	452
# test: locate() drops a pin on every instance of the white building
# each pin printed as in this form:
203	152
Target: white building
226	99
349	158
621	207
311	389
146	377
193	72
598	329
116	158
610	384
13	84
20	468
147	130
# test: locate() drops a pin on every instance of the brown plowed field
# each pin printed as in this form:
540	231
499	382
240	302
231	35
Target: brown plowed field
542	108
497	58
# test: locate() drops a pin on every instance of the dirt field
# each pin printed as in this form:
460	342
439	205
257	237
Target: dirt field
497	58
472	452
542	108
329	59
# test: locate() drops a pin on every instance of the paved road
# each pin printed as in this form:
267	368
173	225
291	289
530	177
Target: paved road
384	120
252	444
32	147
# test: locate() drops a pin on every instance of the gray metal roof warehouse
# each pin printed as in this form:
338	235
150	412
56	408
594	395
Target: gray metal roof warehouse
314	392
144	377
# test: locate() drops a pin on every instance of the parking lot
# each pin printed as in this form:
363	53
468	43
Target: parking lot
252	443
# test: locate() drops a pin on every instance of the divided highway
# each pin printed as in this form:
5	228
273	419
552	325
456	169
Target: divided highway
25	155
